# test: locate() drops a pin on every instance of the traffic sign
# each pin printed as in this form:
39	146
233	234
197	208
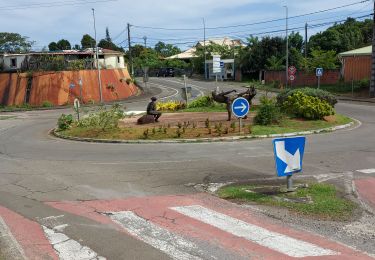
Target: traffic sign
222	64
292	70
72	85
292	77
216	63
240	107
289	155
319	72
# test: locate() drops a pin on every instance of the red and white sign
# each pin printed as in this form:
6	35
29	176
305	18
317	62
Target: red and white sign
292	77
292	70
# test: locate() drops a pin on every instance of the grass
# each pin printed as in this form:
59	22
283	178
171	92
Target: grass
325	201
199	130
6	117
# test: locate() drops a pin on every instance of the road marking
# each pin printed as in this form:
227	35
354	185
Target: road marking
69	249
366	171
201	93
173	245
165	87
275	241
12	247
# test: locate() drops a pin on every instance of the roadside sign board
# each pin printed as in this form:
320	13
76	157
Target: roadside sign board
289	155
292	70
319	72
240	107
216	64
292	77
221	64
72	85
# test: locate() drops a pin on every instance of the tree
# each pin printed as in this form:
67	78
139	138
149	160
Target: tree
87	42
107	36
53	46
166	50
322	59
109	45
275	63
14	42
63	45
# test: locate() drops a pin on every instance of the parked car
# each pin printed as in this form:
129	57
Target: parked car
165	72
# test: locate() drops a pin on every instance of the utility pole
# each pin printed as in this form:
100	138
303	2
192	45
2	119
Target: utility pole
287	47
130	52
306	40
372	85
97	59
145	40
204	48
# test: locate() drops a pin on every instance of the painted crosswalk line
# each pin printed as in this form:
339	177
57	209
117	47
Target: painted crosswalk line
69	249
10	247
275	241
201	226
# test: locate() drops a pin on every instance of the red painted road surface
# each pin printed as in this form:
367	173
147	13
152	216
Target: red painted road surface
167	213
28	234
366	190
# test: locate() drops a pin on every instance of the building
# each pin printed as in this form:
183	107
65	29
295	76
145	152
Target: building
108	59
356	64
228	69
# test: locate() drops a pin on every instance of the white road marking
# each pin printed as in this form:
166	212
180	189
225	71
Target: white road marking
366	171
165	87
12	248
69	249
173	245
275	241
134	113
201	93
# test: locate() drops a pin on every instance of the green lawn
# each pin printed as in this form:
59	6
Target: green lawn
322	201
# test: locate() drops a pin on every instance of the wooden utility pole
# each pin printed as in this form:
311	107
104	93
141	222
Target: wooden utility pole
130	52
306	40
372	84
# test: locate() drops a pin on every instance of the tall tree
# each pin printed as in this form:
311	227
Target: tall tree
166	50
14	42
107	36
53	46
87	42
64	45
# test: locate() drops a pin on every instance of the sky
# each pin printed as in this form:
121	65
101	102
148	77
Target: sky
44	21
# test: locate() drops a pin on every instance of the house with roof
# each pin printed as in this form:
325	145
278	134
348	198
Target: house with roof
228	69
356	64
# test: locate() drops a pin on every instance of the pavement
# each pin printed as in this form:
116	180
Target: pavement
62	199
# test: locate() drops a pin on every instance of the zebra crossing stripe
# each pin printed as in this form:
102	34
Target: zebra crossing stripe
272	240
173	245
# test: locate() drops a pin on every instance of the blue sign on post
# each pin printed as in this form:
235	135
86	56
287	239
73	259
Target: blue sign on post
289	155
221	64
240	107
319	72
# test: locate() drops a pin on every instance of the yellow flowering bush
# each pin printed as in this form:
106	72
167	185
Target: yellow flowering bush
170	105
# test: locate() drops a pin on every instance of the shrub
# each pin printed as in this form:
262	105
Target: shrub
103	119
47	104
302	105
204	101
364	83
170	106
64	122
312	92
268	112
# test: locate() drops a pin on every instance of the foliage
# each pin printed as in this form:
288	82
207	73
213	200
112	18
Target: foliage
63	45
88	42
268	112
308	107
321	59
166	50
103	119
204	101
107	42
47	103
321	94
53	46
274	63
64	122
76	65
14	42
170	106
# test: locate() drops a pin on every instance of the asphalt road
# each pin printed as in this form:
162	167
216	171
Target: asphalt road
37	168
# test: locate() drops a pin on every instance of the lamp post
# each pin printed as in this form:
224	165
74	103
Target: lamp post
204	47
287	46
97	59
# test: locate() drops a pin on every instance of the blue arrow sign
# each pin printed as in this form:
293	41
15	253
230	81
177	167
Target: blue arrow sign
289	155
319	72
240	107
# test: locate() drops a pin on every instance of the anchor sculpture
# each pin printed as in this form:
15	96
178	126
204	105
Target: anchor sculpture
226	98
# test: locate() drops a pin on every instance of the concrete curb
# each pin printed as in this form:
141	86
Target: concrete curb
55	133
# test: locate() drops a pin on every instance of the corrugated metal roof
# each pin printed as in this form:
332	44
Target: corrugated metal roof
358	52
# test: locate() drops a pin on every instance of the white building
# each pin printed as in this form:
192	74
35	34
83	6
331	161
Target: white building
11	62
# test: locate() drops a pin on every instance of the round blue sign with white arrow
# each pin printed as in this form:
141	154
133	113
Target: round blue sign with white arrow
240	107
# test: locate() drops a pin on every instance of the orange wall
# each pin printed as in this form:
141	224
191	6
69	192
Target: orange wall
357	68
54	87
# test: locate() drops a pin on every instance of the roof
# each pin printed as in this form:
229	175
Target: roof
190	53
85	52
365	51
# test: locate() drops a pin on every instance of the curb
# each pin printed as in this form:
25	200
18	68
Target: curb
55	133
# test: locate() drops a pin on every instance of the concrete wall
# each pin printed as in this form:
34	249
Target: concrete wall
356	68
111	62
303	78
7	62
55	87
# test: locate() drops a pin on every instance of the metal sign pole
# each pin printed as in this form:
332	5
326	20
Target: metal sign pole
318	82
240	125
289	183
186	92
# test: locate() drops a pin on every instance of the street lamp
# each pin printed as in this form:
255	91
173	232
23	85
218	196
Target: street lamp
97	59
287	46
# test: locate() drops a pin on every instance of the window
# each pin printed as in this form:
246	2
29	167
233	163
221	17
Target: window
13	62
118	59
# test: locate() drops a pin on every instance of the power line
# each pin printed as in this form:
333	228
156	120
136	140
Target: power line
250	24
53	4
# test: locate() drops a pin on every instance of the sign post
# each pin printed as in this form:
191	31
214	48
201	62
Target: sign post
292	74
216	65
77	105
80	89
319	74
240	108
288	157
186	92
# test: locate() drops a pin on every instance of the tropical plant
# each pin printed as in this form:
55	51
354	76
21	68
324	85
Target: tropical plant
268	112
64	122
